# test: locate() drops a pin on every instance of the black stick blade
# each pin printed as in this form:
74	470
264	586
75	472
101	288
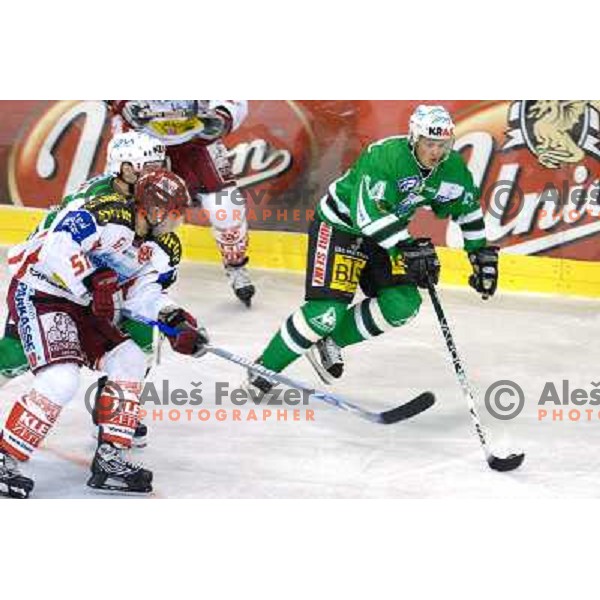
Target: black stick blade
510	463
412	408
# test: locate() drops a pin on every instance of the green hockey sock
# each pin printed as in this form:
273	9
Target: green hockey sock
140	333
370	318
315	320
13	361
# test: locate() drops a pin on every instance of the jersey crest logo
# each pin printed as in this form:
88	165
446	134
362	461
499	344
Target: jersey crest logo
408	183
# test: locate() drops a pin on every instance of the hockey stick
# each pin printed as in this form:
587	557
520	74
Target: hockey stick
410	409
513	461
157	341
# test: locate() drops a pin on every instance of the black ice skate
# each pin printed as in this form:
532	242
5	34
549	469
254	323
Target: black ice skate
140	435
258	386
12	483
241	283
111	471
326	358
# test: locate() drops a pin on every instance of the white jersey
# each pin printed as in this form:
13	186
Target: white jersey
91	234
175	122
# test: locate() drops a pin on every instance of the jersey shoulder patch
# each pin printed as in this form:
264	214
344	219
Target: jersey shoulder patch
171	244
112	209
100	185
78	223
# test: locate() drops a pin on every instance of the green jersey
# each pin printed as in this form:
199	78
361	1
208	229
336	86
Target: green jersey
97	186
379	195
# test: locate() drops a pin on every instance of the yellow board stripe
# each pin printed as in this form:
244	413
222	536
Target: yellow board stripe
284	250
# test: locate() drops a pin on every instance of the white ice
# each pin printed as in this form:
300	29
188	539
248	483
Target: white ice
526	338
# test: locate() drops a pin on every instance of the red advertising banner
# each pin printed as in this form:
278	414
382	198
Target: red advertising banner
537	162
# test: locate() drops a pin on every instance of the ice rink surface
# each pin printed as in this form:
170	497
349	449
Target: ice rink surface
525	338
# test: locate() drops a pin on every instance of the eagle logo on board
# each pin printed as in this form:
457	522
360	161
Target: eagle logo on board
558	132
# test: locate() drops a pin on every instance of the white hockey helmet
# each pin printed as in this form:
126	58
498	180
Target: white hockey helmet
433	122
136	148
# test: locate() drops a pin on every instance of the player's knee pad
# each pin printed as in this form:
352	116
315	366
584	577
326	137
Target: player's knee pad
33	415
117	412
232	244
226	209
125	362
227	214
399	304
118	401
57	382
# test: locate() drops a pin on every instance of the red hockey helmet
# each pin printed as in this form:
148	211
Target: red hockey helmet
162	198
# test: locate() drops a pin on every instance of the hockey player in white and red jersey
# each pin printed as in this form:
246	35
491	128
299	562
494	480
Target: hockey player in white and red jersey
62	299
128	156
193	131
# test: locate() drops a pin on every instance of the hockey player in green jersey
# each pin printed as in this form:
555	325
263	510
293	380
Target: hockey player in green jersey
360	237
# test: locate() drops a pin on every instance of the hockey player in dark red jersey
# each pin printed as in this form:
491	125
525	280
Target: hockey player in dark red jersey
193	132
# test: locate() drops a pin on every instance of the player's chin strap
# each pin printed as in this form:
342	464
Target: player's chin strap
407	410
498	464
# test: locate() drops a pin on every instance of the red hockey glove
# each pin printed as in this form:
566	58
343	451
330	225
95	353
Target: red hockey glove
190	338
103	284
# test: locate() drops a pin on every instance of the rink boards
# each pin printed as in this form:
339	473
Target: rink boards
287	251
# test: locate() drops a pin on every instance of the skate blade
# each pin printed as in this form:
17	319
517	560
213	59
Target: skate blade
119	492
108	488
109	485
17	493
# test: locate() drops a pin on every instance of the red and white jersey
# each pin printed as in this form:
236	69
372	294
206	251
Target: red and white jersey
176	122
91	234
